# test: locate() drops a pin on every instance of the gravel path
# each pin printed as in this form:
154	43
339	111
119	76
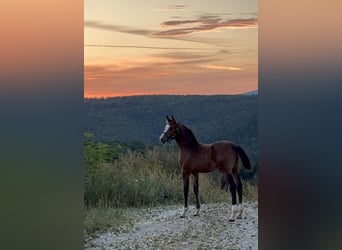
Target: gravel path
161	228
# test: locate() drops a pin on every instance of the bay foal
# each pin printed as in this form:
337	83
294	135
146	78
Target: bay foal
195	157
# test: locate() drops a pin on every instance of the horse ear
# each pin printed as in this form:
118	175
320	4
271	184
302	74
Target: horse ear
167	118
173	118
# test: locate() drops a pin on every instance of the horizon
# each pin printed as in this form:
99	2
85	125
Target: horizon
138	95
165	48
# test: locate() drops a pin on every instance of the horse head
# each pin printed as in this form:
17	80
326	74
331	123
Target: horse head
171	130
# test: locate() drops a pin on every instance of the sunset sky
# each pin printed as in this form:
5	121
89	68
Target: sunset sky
139	47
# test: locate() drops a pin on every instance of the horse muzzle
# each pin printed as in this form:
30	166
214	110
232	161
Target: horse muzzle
163	138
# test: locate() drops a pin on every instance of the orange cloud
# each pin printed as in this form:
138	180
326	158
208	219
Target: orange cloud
206	66
205	24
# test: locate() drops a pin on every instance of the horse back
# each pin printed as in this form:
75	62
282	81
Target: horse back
222	151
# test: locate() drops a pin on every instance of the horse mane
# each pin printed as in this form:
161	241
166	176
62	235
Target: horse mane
192	141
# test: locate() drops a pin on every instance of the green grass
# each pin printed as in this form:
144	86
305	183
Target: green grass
149	179
134	180
98	220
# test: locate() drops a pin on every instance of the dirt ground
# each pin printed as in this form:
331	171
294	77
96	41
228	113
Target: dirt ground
162	228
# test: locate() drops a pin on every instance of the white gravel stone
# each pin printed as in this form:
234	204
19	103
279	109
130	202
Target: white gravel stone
161	228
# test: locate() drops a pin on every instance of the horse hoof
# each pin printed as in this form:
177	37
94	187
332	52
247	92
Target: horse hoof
182	216
239	216
231	220
196	214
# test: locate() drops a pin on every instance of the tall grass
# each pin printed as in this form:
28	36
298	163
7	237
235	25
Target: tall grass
147	179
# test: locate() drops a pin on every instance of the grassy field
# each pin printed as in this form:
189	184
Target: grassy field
143	180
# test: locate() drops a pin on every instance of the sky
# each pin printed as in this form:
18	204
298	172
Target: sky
200	47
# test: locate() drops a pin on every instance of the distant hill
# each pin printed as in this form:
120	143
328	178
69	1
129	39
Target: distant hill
254	92
142	118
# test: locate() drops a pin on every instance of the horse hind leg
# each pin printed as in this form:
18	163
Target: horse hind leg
232	189
238	209
239	191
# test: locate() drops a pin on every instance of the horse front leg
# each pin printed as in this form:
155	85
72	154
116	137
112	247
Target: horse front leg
186	192
196	191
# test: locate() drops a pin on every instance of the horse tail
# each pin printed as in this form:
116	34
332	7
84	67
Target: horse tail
243	156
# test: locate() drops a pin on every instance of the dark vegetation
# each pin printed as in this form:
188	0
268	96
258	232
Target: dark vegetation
141	118
126	167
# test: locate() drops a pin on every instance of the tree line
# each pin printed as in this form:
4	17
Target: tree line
141	119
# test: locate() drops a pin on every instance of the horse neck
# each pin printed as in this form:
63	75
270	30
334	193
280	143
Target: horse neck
186	138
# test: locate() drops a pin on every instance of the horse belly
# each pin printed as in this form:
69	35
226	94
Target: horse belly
204	167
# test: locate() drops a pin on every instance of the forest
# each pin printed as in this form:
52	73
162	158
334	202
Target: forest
124	131
141	119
